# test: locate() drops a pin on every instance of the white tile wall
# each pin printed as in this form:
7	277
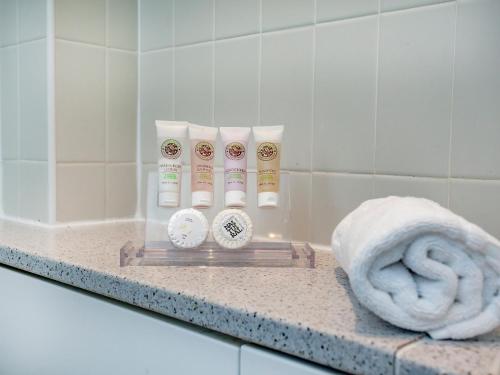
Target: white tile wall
81	192
32	19
478	201
236	84
10	102
344	127
122	24
83	21
157	26
415	88
33	114
33	190
280	14
157	97
194	84
80	99
370	97
193	21
8	22
286	91
476	109
96	83
236	17
327	10
24	109
121	137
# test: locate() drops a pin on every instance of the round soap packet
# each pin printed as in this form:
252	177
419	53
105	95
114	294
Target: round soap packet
232	228
188	228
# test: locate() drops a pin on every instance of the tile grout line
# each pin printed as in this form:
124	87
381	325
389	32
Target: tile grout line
375	113
51	125
313	120
452	105
259	69
18	114
273	31
106	105
174	83
213	64
138	123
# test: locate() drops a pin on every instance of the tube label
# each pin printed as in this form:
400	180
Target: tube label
235	166
268	167
169	166
202	165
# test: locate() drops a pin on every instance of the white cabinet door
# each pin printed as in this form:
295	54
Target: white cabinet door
49	329
257	361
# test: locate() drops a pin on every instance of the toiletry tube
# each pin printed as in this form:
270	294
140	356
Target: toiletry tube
235	140
202	164
268	146
170	136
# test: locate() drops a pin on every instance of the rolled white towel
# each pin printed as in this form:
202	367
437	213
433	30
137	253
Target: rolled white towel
421	267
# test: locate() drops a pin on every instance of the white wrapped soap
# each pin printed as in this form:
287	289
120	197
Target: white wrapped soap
232	229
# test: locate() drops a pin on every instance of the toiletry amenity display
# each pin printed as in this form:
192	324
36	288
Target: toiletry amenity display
217	218
188	228
202	164
421	267
235	142
232	228
170	138
268	150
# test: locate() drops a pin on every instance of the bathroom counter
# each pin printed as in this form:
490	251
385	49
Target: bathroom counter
308	313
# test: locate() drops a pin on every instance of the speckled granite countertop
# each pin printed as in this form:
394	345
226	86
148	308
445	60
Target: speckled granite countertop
309	313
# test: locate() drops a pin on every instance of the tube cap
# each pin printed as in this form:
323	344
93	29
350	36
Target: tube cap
268	199
168	199
236	198
201	198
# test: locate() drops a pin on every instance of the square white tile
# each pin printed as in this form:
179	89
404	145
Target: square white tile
281	14
333	197
32	19
193	84
389	5
286	92
121	137
477	201
236	81
193	21
9	102
34	190
80	192
157	100
83	21
8	22
80	102
121	190
10	187
157	26
344	129
476	111
33	114
122	24
328	10
146	168
236	17
300	197
415	84
435	189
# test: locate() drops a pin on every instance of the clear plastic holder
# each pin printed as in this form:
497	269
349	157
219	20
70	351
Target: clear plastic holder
271	244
